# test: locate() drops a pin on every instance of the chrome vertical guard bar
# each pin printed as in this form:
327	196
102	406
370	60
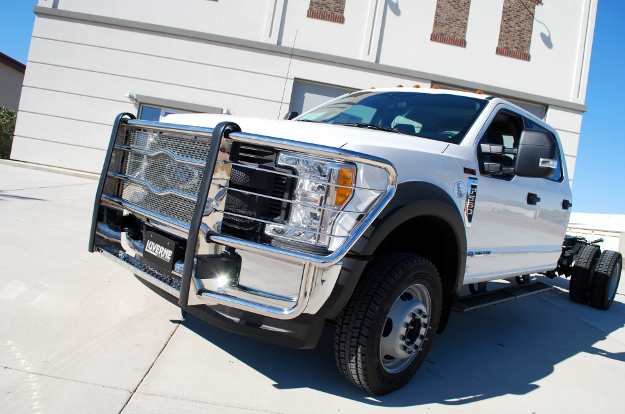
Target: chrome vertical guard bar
223	129
105	168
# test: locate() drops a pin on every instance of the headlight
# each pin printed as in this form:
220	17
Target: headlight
318	198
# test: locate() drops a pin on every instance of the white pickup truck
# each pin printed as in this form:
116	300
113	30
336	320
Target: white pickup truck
368	213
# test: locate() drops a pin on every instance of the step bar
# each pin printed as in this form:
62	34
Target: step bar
480	300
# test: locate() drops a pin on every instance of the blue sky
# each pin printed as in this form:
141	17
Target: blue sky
598	185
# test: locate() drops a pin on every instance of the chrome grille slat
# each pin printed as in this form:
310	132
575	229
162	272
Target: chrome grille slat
181	146
121	204
173	156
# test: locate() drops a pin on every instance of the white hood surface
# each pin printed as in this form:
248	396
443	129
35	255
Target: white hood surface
336	136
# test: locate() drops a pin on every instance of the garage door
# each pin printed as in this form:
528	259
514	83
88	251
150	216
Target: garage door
307	95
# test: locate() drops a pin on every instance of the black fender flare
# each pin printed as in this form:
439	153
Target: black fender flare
412	199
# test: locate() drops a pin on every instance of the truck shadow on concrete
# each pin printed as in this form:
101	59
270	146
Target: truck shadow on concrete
490	352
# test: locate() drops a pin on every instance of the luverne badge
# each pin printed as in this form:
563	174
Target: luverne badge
159	250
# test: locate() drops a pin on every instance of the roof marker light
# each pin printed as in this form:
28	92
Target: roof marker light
400	86
417	86
435	87
479	92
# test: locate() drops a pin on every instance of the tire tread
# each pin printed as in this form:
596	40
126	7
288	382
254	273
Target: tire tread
578	285
599	290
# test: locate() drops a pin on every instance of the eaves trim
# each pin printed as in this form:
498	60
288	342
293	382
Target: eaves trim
322	57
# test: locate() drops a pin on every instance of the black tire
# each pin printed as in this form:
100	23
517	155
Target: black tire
363	321
582	272
606	279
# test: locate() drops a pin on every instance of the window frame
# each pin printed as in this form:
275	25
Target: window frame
482	136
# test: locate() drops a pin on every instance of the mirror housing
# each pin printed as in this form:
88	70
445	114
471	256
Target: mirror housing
536	154
291	115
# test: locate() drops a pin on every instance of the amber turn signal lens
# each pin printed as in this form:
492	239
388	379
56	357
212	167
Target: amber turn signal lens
346	177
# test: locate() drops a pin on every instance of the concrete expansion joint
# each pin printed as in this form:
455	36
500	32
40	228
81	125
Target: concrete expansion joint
132	393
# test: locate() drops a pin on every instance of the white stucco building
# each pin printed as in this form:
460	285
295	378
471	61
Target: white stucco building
265	58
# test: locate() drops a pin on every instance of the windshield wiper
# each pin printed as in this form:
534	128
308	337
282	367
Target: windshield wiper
370	126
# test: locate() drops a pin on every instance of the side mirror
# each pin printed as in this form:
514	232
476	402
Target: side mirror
536	154
291	115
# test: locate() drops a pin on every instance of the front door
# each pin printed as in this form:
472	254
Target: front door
502	239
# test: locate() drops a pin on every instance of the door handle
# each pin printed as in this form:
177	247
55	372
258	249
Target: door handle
532	199
566	204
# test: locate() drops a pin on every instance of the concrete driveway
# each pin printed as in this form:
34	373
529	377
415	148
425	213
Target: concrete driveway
80	335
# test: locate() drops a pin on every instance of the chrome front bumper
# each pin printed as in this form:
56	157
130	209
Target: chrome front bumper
280	288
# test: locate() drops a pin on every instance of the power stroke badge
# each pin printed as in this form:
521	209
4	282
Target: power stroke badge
470	205
159	250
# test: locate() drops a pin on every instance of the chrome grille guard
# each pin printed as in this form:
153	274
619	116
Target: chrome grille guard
207	202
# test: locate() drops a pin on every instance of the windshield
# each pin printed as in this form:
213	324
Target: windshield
434	116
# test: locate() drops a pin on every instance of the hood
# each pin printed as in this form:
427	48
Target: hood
336	136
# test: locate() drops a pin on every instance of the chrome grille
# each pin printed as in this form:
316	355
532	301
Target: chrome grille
163	173
170	206
160	172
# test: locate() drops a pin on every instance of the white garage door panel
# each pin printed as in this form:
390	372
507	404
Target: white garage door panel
307	95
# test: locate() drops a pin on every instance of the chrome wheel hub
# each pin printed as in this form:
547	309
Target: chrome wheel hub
405	329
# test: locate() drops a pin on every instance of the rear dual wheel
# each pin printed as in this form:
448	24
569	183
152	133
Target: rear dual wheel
582	272
606	279
386	330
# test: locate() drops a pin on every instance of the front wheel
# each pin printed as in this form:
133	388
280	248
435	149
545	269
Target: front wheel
386	330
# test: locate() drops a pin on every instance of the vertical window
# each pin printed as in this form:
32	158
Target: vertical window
517	24
450	22
154	113
330	10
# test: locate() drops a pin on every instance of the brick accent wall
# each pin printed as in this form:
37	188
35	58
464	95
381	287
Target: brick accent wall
330	10
517	24
450	22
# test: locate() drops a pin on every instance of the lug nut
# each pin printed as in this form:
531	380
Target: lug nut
413	315
404	347
402	338
405	324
